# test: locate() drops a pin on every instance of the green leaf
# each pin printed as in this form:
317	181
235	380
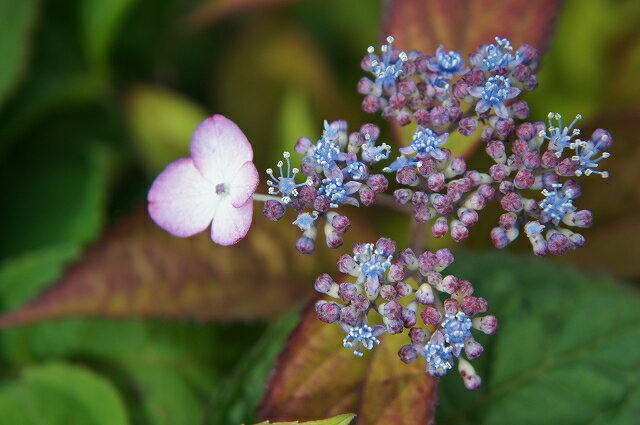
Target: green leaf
566	351
100	21
296	118
162	122
58	393
315	376
16	22
337	420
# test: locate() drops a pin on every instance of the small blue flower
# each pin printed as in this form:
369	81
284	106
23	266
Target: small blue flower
330	132
285	185
356	170
533	228
372	262
496	90
386	70
439	357
447	64
585	152
360	336
456	329
559	138
498	56
426	143
326	153
556	204
401	162
338	192
372	153
305	220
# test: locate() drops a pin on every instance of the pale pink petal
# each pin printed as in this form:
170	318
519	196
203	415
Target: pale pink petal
231	224
219	148
243	184
181	201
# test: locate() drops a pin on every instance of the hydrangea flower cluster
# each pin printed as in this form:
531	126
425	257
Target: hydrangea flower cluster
439	311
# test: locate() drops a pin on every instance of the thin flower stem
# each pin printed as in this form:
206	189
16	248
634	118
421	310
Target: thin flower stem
417	236
264	198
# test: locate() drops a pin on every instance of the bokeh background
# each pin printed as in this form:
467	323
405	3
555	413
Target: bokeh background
104	319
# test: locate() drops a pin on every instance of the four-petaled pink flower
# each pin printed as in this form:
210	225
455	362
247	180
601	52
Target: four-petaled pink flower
213	187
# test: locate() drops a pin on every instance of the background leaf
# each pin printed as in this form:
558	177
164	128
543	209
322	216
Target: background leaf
61	394
315	376
337	420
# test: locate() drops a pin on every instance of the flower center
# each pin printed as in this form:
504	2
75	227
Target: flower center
220	189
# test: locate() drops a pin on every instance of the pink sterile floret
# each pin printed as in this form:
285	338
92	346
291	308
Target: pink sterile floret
213	187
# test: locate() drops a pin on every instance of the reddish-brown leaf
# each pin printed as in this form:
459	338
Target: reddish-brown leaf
139	270
214	10
315	376
462	25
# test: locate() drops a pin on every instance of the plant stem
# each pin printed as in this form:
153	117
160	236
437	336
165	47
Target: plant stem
264	198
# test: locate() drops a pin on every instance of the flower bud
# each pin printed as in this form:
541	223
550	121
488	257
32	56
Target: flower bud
273	210
328	312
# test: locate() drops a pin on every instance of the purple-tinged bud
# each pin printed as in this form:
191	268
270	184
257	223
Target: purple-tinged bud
407	354
420	199
468	217
323	283
422	214
407	86
467	126
459	231
528	54
427	261
308	165
418	336
327	312
334	240
603	137
370	104
436	182
511	202
557	243
305	245
341	223
378	183
360	302
495	149
372	288
408	318
308	193
303	145
487	191
403	117
474	176
498	172
451	306
356	139
407	258
472	380
460	89
403	289
520	110
427	166
444	258
386	245
539	126
506	187
472	348
370	129
475	77
388	292
347	291
465	288
499	237
367	196
525	131
574	187
519	147
532	160
298	204
430	316
455	113
439	116
456	167
397	101
507	220
514	162
349	316
486	324
450	284
473	305
442	203
424	294
366	86
504	127
322	204
346	263
575	239
549	159
531	83
582	218
273	210
422	117
396	272
402	196
522	72
406	176
440	227
568	167
394	326
524	179
476	201
487	133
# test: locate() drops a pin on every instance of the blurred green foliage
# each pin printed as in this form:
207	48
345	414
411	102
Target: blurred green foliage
97	96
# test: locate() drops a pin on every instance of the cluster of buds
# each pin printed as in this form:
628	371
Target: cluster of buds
338	169
409	293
